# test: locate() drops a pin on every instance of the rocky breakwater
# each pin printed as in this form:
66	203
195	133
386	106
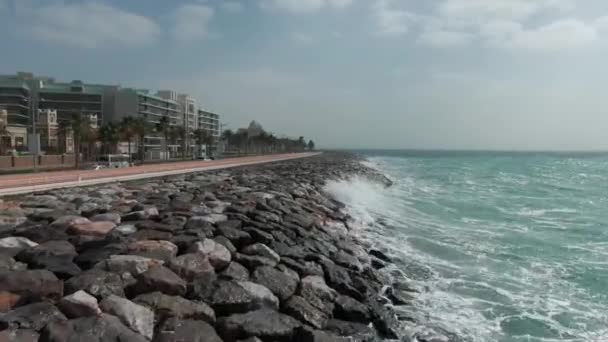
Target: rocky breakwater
249	254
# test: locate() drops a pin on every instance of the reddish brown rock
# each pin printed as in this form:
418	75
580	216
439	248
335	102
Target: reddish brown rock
100	228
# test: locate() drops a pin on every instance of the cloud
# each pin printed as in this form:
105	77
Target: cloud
90	25
500	9
232	6
192	22
559	35
444	38
303	6
391	20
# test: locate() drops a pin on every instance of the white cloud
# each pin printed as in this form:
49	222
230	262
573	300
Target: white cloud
445	38
391	20
500	9
90	25
303	6
192	22
559	35
232	6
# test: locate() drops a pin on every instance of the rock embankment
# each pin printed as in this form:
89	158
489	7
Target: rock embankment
250	254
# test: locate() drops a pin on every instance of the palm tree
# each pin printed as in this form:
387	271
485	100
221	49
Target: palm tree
76	123
202	137
63	129
109	135
127	131
179	133
4	132
140	127
163	127
311	145
89	136
174	134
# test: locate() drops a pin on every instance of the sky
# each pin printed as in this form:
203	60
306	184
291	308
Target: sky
435	74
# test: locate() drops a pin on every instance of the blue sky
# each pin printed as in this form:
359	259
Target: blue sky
489	74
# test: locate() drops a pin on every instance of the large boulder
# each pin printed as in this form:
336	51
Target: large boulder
218	255
55	256
28	286
19	335
266	324
100	228
137	317
299	308
96	282
33	316
103	328
254	261
350	309
228	297
10	246
282	284
262	296
235	271
161	249
133	264
191	265
174	306
79	304
260	249
181	330
107	217
159	279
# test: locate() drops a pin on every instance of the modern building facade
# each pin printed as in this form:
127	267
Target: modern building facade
74	98
140	103
15	97
210	122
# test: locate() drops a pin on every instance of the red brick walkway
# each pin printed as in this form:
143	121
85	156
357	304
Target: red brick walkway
22	183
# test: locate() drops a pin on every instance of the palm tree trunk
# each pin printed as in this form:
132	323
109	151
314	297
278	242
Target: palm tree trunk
129	148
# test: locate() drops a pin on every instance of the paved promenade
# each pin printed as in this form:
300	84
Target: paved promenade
31	182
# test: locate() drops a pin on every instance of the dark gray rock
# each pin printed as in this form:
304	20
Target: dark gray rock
227	297
41	233
384	320
305	268
158	279
282	284
79	304
218	255
33	316
174	306
380	255
262	296
306	334
260	249
19	335
104	328
202	286
98	283
236	236
259	235
226	243
189	266
236	271
181	330
137	317
344	328
349	309
151	234
55	256
266	324
253	261
29	286
299	308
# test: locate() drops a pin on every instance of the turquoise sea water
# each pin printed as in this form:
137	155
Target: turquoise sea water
501	246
